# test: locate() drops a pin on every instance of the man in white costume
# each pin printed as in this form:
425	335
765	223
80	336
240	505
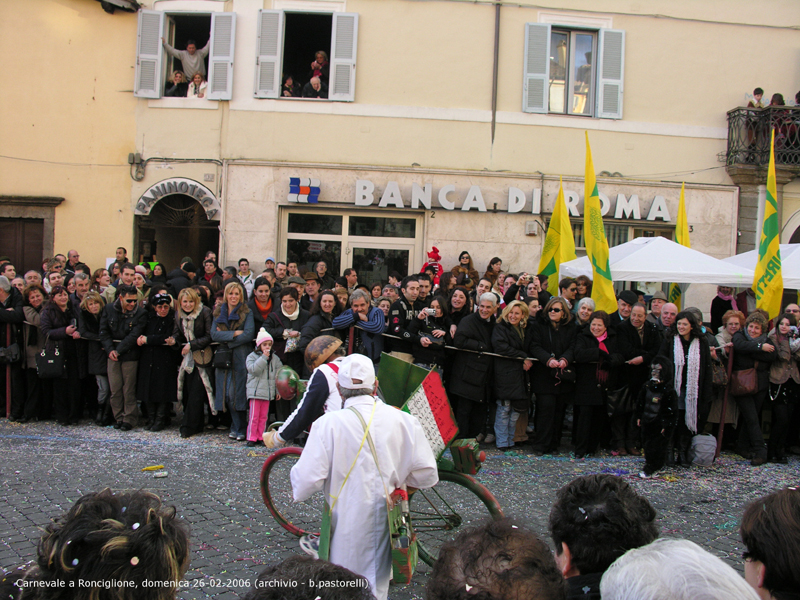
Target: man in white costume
359	523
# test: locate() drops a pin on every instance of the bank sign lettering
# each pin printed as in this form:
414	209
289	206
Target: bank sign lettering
422	196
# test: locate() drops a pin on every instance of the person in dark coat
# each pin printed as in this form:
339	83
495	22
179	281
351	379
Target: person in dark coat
656	413
96	359
263	302
233	326
551	343
193	333
639	342
11	316
38	391
157	387
59	325
472	371
686	346
181	278
722	303
284	325
509	339
320	322
597	364
433	334
751	345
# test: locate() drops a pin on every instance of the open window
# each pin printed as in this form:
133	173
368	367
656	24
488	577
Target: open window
288	43
154	66
573	71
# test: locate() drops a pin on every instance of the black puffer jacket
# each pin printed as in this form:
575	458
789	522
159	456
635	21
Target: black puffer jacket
510	378
546	342
472	373
97	359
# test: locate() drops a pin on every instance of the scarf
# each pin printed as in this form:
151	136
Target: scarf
188	365
692	380
601	373
291	316
264	309
731	299
228	318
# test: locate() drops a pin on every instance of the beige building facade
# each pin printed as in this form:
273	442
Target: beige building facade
448	124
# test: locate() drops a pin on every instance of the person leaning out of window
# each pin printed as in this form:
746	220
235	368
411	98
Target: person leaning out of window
197	89
179	87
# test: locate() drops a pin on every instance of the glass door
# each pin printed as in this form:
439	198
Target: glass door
374	262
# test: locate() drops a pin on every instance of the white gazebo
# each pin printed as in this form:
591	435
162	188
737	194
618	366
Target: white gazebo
790	264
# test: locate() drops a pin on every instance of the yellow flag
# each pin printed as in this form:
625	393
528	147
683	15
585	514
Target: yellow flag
768	281
559	245
682	237
594	235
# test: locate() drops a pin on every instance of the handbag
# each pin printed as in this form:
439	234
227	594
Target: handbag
50	363
223	357
203	357
720	374
619	401
744	382
10	354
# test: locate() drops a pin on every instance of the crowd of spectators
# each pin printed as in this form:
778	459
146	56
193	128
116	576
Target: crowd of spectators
152	347
605	536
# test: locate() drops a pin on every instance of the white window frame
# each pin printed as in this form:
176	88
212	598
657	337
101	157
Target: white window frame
608	71
270	45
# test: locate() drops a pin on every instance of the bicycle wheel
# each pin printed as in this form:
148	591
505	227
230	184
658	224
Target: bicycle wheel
298	518
438	513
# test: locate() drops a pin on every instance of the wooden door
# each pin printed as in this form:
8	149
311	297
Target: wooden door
22	240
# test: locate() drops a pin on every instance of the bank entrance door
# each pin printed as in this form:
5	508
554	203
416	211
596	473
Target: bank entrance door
374	245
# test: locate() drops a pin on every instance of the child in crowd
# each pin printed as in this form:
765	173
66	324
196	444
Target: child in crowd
262	369
656	413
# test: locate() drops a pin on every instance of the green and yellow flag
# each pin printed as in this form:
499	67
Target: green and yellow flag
559	245
594	235
768	281
682	237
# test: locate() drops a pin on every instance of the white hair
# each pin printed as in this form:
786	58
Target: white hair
488	297
359	295
588	301
671	569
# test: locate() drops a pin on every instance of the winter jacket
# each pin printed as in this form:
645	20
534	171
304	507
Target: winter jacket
472	372
510	379
232	383
706	381
89	327
317	325
202	329
401	314
54	323
157	378
275	325
124	327
590	364
261	373
785	366
177	280
633	346
33	340
433	354
546	342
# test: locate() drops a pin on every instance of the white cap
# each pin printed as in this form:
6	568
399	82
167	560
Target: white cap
356	371
263	336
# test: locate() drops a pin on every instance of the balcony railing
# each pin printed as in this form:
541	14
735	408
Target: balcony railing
749	135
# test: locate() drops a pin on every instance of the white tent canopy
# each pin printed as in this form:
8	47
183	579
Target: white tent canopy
790	264
660	259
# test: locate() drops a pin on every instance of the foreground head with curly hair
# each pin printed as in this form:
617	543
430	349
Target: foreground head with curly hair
498	561
595	520
303	577
110	545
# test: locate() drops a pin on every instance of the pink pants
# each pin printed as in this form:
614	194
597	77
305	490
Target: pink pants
257	424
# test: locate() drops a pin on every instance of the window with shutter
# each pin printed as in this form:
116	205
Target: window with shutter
573	71
149	54
269	54
220	56
343	56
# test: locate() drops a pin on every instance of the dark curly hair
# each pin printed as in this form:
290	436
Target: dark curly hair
302	570
599	518
496	560
127	537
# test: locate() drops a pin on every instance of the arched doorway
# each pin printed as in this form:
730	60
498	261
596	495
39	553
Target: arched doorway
176	226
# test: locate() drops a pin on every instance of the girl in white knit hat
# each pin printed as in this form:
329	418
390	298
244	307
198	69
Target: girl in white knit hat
262	369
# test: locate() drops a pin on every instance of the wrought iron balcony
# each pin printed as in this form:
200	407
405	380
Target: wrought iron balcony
749	135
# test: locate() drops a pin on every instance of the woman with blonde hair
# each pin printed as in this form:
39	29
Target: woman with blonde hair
509	339
234	328
193	333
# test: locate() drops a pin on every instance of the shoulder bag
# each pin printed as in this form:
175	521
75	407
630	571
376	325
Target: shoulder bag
50	363
744	382
203	358
223	357
720	374
10	354
619	401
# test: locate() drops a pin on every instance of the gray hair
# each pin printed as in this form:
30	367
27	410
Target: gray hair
488	297
81	276
640	574
345	393
5	284
359	295
583	301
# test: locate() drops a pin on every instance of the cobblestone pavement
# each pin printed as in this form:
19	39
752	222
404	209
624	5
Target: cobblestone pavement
214	484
